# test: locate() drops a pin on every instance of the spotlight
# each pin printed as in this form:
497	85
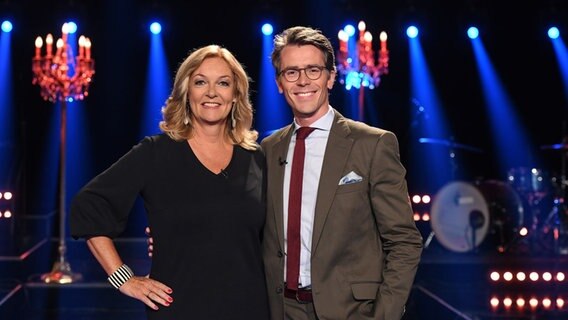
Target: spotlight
495	276
416	199
521	276
547	276
416	216
494	302
559	303
533	302
155	28
349	29
6	26
71	27
426	199
472	32
508	276
546	303
412	32
553	33
267	29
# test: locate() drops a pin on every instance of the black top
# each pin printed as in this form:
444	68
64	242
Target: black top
206	226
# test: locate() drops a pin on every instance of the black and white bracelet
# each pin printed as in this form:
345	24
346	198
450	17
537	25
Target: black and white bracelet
120	276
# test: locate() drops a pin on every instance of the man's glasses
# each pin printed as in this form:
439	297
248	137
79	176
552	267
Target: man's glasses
293	74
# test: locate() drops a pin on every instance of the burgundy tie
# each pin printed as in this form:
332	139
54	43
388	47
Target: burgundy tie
294	208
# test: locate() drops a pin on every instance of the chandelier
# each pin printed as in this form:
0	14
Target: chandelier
52	71
357	65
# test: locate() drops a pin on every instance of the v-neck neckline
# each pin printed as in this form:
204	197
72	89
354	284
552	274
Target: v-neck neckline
224	171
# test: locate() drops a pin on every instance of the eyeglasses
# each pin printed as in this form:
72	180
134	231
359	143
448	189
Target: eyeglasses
293	74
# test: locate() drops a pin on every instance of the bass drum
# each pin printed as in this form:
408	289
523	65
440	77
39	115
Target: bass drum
465	215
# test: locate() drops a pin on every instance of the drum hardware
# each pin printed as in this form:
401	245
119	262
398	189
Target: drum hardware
555	225
476	221
452	147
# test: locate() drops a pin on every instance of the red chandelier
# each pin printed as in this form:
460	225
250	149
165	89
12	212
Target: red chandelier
358	67
52	71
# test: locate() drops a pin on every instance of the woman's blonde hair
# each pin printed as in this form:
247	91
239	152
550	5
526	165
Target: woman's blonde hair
177	122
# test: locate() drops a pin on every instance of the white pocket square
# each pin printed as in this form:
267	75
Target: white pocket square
351	177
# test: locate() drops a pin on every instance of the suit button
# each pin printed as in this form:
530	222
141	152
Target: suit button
280	254
279	289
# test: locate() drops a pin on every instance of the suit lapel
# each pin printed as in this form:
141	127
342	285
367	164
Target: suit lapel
336	155
276	179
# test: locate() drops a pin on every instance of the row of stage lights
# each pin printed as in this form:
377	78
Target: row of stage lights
527	302
267	29
5	205
521	276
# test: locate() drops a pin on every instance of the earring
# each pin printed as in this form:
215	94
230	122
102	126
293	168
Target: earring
233	120
186	118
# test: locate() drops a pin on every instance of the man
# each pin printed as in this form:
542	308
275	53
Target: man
359	246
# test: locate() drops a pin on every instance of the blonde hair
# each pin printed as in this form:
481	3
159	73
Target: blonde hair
176	111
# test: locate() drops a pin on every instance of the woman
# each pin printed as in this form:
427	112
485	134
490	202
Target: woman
202	181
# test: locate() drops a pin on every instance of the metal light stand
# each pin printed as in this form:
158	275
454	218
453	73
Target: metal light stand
51	73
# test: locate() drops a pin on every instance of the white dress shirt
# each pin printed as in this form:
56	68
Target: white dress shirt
315	150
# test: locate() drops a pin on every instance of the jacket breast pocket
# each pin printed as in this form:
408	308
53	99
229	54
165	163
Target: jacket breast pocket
352	187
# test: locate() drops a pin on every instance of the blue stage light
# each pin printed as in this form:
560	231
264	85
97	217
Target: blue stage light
553	33
155	28
71	27
267	29
350	29
6	26
412	32
472	32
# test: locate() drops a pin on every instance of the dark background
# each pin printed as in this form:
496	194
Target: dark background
514	35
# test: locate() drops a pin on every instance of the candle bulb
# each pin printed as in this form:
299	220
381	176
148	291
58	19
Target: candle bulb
49	43
361	26
87	48
383	37
81	46
343	38
368	37
38	44
65	31
59	46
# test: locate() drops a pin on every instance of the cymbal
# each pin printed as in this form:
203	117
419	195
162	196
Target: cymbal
557	146
450	144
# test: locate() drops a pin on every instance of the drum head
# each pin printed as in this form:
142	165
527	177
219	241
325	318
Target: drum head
453	207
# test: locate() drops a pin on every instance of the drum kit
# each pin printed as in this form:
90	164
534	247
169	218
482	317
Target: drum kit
524	214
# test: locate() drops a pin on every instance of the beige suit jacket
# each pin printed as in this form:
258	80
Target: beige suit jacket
365	245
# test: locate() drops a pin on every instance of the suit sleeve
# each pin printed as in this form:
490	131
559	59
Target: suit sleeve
402	242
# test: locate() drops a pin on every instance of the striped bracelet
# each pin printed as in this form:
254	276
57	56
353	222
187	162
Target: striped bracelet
120	276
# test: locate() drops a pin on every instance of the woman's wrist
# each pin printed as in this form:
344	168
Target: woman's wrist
120	276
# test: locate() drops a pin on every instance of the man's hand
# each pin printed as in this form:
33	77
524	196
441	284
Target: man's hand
149	241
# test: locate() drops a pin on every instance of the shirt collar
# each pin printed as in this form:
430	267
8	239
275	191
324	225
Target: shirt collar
323	123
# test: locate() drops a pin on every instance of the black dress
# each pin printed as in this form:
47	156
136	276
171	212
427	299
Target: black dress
206	226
